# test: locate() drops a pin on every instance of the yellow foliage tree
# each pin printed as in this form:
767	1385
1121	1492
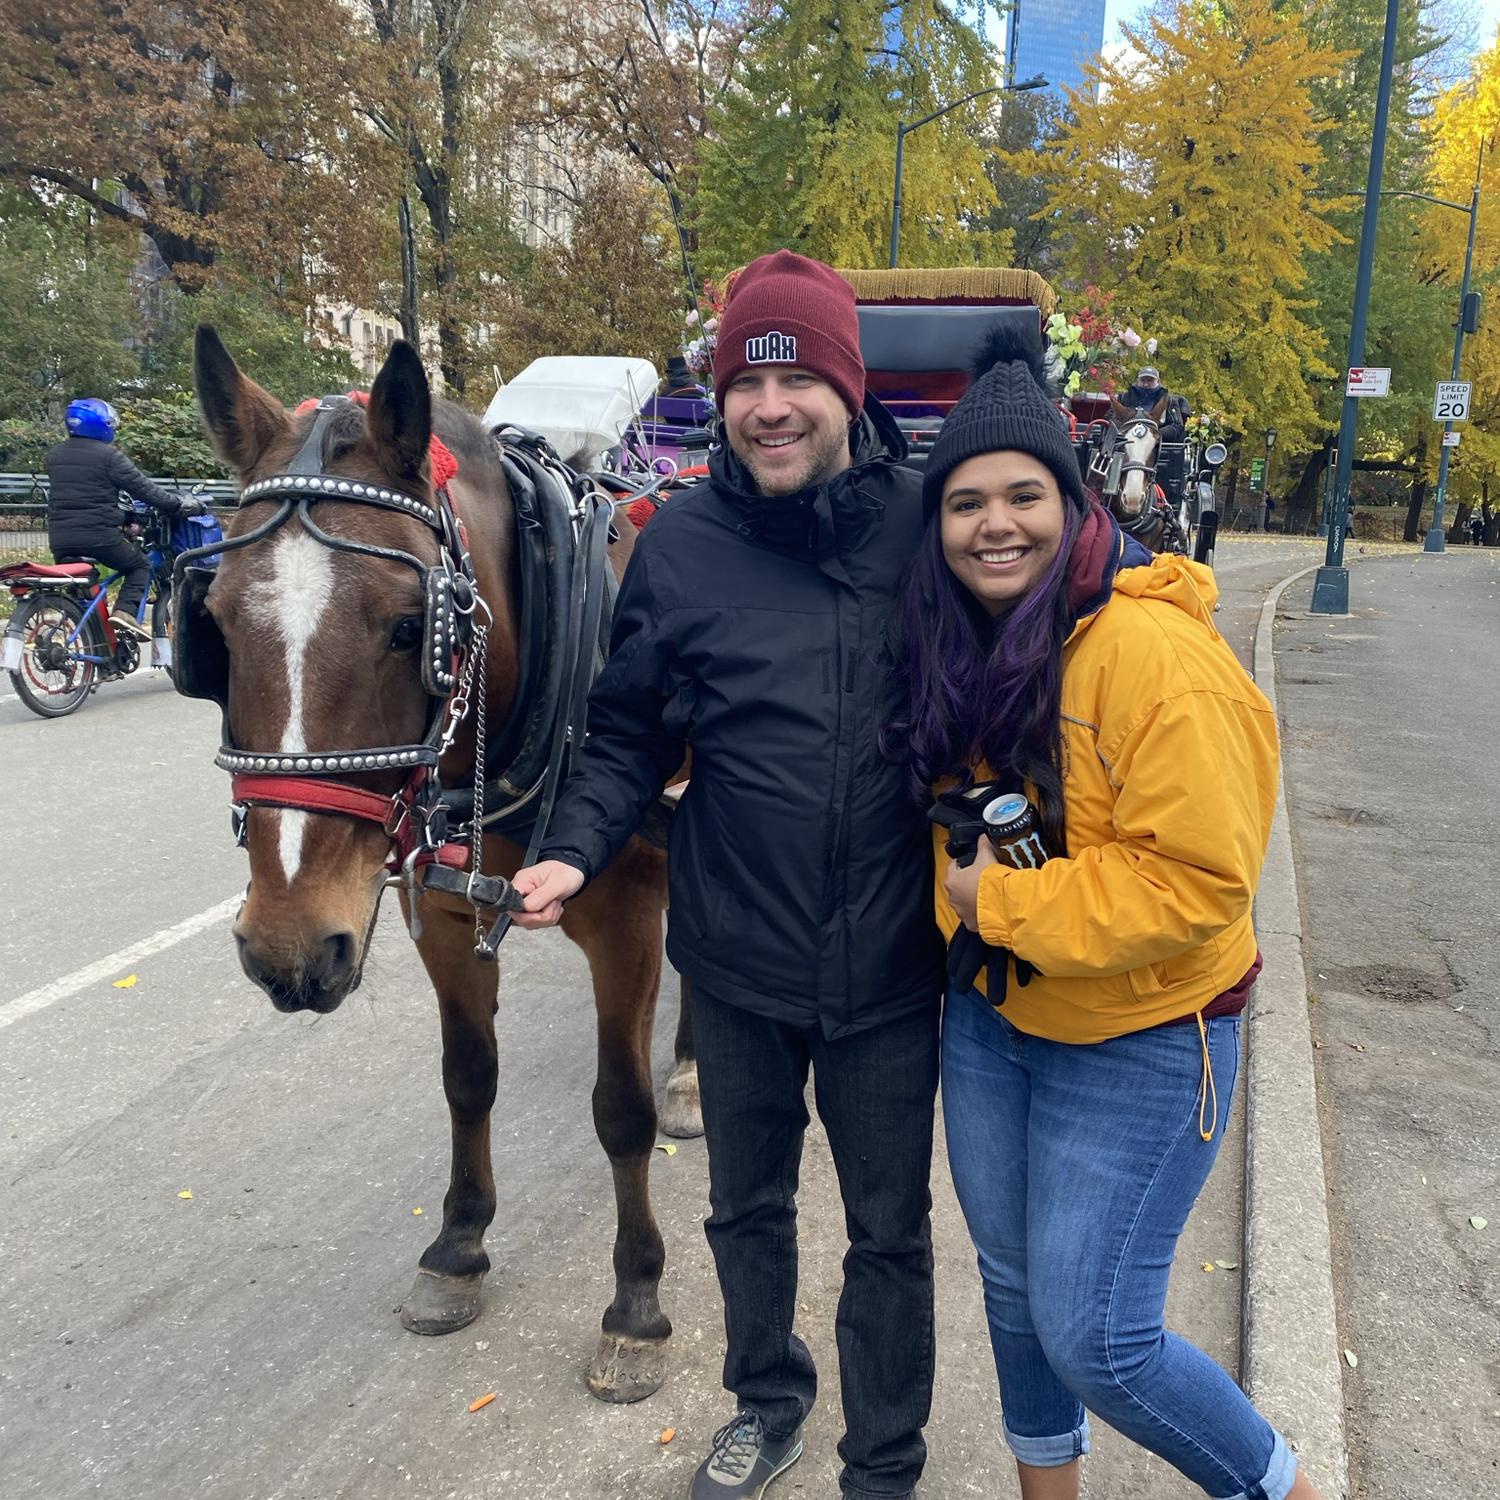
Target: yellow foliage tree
1463	133
1184	183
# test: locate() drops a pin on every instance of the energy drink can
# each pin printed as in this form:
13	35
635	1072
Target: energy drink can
1015	831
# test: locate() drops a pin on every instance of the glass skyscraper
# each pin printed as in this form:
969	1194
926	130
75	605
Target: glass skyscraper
1055	38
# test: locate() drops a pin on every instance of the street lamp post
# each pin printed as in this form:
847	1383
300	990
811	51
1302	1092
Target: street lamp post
903	130
1265	482
1331	585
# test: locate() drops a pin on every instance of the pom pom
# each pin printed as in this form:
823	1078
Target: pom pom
1007	342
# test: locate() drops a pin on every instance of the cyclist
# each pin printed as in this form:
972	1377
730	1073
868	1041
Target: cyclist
85	474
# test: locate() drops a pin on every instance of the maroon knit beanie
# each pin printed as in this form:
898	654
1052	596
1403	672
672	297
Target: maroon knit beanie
785	309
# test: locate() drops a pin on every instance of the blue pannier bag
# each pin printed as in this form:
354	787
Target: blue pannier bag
197	531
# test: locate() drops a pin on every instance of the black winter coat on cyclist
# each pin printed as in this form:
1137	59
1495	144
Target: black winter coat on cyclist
85	477
753	630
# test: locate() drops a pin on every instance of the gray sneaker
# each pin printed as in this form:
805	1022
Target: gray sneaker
743	1461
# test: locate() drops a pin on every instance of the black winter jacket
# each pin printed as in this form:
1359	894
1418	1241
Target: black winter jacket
85	478
754	630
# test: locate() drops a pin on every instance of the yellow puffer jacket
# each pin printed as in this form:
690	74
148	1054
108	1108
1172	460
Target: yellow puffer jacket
1170	769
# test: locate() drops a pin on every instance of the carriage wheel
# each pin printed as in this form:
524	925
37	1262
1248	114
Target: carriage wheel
51	680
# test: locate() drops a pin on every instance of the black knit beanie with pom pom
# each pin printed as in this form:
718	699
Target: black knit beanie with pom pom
1007	407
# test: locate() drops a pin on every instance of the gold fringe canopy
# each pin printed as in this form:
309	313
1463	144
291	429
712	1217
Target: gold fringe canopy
942	283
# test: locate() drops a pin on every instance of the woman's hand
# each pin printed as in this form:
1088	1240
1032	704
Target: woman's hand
962	883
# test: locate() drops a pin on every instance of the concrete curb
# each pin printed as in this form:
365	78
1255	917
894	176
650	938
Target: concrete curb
1290	1364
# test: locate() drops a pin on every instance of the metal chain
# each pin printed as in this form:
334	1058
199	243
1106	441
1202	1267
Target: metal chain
476	843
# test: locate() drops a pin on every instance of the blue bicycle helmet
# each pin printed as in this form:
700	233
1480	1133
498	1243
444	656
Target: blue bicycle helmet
93	419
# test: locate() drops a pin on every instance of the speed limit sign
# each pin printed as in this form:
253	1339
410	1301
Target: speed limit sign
1452	401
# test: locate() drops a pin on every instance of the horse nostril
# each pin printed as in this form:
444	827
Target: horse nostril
338	955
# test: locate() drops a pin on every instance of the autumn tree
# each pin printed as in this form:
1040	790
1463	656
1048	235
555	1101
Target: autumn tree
804	144
68	313
1408	310
1187	185
612	288
222	132
643	79
1465	141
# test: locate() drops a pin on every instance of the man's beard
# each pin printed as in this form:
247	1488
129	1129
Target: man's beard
824	456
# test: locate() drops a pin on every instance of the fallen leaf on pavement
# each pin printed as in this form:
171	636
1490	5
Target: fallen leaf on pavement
1208	1265
1358	1046
667	1434
186	1193
482	1402
416	1210
127	983
1479	1223
1229	1265
667	1146
1351	1358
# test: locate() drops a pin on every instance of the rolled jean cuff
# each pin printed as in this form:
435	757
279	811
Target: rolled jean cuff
1051	1452
1280	1475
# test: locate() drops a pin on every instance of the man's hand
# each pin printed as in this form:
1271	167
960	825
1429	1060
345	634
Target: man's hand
546	886
962	883
191	505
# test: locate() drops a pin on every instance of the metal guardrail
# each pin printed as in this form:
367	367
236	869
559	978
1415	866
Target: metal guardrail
23	497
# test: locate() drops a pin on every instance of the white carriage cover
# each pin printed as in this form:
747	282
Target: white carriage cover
581	404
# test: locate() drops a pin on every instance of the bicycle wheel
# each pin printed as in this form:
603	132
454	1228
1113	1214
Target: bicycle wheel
51	680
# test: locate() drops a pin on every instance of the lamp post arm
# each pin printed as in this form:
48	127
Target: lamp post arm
1425	197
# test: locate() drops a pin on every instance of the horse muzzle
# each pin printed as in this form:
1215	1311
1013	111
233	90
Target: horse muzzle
315	974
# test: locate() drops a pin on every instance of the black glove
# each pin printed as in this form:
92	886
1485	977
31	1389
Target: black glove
191	505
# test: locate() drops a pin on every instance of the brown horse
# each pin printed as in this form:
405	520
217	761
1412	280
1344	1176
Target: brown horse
317	628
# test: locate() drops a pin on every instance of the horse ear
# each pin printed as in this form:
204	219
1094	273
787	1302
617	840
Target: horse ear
242	419
1119	411
400	415
1159	410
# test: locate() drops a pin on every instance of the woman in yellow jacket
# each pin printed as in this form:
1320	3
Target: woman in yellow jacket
1088	1066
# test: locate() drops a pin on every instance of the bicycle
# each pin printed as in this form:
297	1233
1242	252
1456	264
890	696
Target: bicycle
60	644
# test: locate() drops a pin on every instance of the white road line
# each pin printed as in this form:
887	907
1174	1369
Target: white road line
117	965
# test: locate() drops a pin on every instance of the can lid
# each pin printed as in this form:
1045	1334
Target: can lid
1006	809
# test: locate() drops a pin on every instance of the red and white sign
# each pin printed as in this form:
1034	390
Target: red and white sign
1450	439
1368	380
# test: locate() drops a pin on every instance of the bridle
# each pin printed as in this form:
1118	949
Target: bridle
456	623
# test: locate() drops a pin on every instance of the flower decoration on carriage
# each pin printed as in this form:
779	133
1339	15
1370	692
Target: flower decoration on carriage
700	331
1205	427
1087	350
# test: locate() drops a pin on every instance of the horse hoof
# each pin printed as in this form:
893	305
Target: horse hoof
626	1369
681	1109
441	1304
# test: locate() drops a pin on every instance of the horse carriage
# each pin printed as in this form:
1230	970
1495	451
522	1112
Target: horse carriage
918	330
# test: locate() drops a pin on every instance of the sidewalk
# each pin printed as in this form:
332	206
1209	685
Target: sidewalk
1389	728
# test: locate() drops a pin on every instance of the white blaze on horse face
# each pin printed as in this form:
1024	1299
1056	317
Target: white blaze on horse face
291	604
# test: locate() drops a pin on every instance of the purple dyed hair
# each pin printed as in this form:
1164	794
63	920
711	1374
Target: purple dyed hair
982	688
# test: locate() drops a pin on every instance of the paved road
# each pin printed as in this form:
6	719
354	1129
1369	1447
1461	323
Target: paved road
1390	720
240	1344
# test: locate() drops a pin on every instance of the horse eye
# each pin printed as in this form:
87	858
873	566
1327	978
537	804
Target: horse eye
407	635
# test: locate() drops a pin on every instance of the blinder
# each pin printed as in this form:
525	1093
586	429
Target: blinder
200	657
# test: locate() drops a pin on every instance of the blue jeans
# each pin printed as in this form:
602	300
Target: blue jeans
1076	1167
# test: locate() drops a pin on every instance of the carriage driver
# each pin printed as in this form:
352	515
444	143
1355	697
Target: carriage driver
751	629
1146	392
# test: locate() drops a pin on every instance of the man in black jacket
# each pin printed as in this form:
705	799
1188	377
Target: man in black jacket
752	628
85	475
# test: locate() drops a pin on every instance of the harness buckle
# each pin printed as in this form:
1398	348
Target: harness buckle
238	813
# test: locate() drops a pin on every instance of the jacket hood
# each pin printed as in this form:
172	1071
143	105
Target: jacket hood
1189	586
823	517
